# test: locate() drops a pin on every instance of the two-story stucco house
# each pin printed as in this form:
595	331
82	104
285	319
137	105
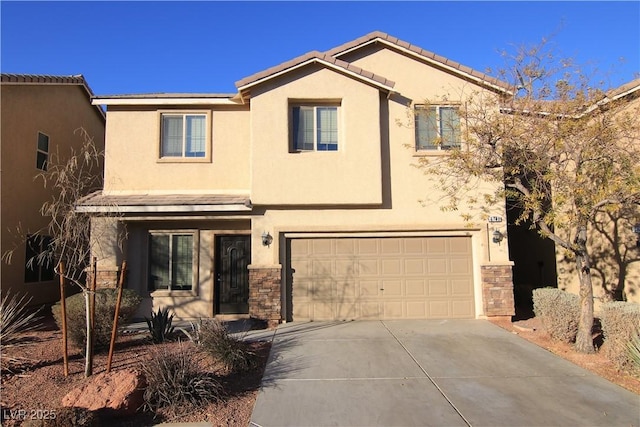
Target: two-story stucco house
40	116
296	199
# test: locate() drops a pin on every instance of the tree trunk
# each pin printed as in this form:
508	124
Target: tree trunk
584	339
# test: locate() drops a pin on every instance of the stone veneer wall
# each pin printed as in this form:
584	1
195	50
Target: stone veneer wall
264	294
105	278
497	290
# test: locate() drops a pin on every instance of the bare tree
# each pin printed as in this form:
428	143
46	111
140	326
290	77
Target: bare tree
560	148
71	239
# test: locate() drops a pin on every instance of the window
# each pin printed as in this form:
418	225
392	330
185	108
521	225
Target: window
315	128
37	269
42	151
437	127
183	135
171	261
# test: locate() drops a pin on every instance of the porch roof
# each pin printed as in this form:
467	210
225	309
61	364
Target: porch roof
98	202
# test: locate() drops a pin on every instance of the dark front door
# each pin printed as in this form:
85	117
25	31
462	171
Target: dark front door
233	254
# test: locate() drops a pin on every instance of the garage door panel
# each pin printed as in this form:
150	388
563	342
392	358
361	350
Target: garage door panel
415	288
436	266
460	266
414	267
368	267
392	288
382	278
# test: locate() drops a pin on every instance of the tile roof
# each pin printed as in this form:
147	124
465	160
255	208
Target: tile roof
390	40
311	57
170	202
45	79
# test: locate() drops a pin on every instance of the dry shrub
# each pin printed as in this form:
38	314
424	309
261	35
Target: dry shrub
175	379
105	308
620	321
559	312
233	352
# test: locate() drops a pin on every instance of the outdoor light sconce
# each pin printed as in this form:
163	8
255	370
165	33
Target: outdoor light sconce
636	229
497	236
267	239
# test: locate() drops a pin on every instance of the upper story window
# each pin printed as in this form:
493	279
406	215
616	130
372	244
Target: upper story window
183	136
314	128
437	127
42	151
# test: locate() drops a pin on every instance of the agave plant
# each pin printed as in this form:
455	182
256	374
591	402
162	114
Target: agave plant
160	325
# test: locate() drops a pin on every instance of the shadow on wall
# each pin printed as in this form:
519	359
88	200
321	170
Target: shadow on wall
615	259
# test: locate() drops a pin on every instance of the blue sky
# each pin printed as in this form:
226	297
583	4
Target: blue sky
142	47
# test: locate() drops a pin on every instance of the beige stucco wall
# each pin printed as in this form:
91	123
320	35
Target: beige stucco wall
132	155
184	304
349	176
402	189
612	243
26	109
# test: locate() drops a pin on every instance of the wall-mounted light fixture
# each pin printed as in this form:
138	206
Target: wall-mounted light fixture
267	239
636	229
497	236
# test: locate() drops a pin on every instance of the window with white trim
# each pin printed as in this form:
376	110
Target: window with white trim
171	261
437	127
183	135
42	151
314	128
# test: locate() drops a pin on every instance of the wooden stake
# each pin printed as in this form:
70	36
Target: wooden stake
63	309
92	314
114	331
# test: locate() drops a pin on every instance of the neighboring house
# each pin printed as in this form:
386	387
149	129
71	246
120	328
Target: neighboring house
39	117
614	247
296	199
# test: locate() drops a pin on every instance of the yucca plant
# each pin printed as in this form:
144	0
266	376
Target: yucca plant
159	325
16	318
633	347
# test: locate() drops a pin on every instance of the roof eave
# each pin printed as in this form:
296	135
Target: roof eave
337	68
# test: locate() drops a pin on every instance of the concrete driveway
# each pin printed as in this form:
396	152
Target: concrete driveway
428	373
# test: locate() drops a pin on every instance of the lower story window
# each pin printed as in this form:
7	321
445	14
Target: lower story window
171	261
38	268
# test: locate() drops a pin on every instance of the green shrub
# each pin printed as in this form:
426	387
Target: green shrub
214	338
559	312
620	321
159	325
105	308
16	318
174	378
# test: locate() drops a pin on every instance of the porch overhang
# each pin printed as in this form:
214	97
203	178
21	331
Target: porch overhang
100	203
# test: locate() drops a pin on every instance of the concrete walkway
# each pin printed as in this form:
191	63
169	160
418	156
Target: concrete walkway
428	373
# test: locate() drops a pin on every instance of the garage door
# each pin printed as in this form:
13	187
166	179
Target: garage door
381	278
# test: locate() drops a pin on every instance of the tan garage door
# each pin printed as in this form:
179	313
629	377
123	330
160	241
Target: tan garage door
381	278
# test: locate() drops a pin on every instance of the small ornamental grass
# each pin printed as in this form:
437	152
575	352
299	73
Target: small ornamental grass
16	318
620	322
174	378
559	312
214	338
105	309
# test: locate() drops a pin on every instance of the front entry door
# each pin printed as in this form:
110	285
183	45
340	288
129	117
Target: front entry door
233	255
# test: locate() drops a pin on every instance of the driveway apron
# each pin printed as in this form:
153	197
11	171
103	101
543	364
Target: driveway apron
428	373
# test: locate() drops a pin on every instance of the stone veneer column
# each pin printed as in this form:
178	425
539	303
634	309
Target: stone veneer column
497	290
264	293
105	278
